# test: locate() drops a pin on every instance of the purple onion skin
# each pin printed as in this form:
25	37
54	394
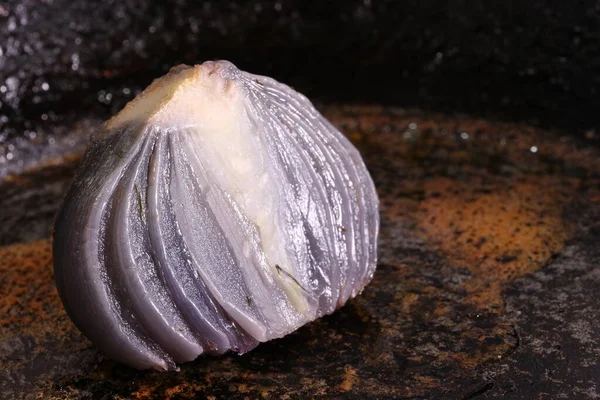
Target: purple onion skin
219	209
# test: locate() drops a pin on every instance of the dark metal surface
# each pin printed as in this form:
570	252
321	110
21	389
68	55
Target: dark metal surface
62	60
486	288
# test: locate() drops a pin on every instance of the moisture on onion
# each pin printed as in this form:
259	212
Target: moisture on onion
219	209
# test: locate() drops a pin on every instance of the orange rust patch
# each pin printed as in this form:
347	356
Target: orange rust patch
498	232
408	300
350	378
427	381
29	305
23	266
489	196
142	393
175	391
501	232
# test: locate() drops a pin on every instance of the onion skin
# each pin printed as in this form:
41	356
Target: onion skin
219	209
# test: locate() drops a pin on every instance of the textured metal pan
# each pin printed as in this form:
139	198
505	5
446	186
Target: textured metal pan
487	282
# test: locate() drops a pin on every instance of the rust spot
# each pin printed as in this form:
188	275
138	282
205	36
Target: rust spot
427	381
350	378
175	391
30	309
499	231
142	393
408	300
356	137
23	266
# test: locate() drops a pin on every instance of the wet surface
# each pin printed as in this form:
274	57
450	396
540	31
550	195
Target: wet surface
486	286
65	61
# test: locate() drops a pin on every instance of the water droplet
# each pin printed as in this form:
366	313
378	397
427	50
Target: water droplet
12	83
12	25
75	61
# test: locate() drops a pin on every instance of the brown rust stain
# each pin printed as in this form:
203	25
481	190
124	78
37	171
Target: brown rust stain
31	311
499	232
492	204
489	197
350	378
23	266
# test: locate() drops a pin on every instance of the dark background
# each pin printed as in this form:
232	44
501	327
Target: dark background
534	61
